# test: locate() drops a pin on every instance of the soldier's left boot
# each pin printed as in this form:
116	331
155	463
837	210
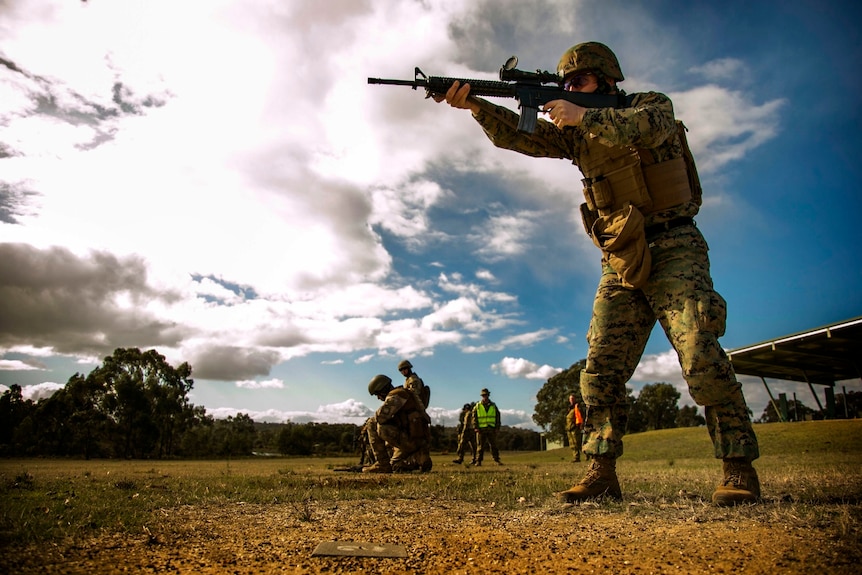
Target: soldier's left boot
740	484
599	482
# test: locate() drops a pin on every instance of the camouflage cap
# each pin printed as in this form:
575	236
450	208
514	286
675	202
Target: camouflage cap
590	56
404	363
485	391
378	383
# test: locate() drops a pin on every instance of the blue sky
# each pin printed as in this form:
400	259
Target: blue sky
217	181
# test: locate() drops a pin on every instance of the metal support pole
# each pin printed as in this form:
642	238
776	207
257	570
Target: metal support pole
772	400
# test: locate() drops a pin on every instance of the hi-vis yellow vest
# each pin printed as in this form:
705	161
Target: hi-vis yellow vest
486	418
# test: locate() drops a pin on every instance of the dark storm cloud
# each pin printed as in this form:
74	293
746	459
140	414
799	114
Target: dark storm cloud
54	298
228	363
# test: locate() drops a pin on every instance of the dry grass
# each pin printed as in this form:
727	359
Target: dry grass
811	474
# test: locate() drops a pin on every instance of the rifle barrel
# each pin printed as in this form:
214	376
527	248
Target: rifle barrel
393	82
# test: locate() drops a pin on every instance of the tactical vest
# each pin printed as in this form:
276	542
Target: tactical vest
616	176
621	184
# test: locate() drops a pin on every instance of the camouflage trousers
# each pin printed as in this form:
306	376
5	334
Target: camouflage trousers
403	445
466	441
576	440
680	295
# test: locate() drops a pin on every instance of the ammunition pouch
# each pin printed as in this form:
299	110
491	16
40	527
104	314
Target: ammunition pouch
622	183
620	235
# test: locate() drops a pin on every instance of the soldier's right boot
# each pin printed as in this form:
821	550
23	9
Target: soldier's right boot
378	467
600	481
740	484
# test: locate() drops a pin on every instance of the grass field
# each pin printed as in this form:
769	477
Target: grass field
809	464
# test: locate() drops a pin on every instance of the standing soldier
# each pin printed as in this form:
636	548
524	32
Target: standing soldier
575	427
414	383
465	434
400	422
486	423
641	192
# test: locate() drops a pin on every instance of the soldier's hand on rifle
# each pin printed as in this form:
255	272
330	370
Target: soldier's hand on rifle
564	113
458	96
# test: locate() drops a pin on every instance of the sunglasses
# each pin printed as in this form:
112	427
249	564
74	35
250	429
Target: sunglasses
577	81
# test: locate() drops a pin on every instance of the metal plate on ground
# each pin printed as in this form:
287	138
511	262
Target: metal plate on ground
358	549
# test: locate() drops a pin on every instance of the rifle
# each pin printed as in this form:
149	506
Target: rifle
530	89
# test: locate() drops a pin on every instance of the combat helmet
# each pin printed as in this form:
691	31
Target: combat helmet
590	56
404	363
378	383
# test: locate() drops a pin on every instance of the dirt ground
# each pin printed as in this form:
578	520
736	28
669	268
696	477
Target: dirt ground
684	536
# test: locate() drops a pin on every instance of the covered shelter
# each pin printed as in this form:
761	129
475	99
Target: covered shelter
821	356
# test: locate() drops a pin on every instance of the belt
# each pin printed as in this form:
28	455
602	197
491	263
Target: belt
655	230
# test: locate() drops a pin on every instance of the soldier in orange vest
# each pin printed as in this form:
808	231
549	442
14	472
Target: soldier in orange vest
575	428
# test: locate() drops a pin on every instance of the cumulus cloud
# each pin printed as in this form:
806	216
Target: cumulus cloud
187	197
21	365
725	124
517	340
722	69
36	392
516	368
266	384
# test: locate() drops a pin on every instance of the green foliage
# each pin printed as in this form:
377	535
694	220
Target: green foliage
657	404
688	416
552	401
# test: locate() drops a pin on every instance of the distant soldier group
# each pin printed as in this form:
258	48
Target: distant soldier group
397	439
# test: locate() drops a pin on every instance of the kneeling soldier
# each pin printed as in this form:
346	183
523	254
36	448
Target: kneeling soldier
400	422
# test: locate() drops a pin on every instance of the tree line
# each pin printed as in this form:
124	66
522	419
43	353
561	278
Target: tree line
136	406
656	406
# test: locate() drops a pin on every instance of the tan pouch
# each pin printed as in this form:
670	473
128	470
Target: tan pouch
621	237
588	217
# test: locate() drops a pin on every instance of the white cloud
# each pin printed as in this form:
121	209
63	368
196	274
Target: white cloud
725	124
37	391
18	365
517	340
517	368
266	384
723	69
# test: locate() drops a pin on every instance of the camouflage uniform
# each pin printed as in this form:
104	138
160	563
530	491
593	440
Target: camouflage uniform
575	431
414	383
401	422
466	437
678	293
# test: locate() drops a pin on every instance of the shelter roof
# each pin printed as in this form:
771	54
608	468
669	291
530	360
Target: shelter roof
823	356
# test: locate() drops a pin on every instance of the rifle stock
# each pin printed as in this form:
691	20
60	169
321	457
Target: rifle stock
531	90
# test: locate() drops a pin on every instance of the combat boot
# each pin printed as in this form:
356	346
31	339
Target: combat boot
458	461
740	484
600	481
378	467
